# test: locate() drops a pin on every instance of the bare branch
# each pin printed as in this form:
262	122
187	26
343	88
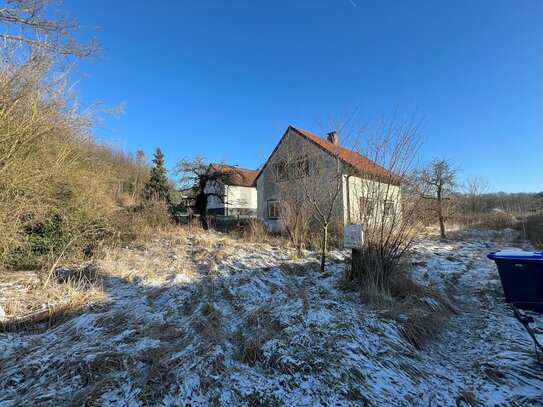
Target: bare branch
26	24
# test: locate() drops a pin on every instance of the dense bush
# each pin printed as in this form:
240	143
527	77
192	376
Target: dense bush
59	189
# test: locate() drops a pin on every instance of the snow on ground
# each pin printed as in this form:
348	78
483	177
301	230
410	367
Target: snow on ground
257	327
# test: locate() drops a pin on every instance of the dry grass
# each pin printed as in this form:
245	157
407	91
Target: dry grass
494	220
258	327
467	397
420	311
254	231
208	324
31	298
534	230
419	324
165	254
61	190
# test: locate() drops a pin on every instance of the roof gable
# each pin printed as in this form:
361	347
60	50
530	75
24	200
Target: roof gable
355	160
241	177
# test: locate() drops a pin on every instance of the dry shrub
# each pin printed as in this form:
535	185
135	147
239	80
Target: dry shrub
59	188
314	240
385	284
254	231
142	222
495	220
534	230
375	267
128	200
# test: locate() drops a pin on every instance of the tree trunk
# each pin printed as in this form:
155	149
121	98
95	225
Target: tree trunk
356	265
440	213
442	226
203	219
324	245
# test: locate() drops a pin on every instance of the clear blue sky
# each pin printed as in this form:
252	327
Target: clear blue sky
225	78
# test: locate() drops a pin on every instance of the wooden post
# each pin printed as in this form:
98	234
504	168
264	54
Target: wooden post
354	239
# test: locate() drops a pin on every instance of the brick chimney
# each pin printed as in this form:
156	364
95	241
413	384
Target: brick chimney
333	138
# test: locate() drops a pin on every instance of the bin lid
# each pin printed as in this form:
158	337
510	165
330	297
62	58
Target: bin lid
520	255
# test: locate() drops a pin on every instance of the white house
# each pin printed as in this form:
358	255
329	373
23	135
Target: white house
304	163
235	193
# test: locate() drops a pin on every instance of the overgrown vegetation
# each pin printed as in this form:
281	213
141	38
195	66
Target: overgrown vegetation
60	190
500	210
534	230
62	194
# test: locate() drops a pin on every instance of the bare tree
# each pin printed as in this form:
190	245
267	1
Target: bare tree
438	182
28	22
475	187
325	197
308	185
296	214
382	195
205	182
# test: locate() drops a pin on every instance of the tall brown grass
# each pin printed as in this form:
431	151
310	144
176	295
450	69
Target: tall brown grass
59	188
534	230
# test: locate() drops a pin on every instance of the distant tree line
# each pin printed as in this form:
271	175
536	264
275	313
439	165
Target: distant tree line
510	202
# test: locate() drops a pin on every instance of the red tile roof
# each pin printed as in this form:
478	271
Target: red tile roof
352	158
241	177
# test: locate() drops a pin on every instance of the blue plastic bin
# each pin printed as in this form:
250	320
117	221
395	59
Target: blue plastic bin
521	274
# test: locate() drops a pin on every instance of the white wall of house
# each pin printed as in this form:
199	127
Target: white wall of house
215	187
241	197
360	194
236	198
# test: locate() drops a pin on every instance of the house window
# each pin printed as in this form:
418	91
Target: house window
389	208
281	170
366	207
273	209
301	168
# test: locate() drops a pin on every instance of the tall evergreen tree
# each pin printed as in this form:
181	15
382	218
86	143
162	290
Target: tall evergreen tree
157	186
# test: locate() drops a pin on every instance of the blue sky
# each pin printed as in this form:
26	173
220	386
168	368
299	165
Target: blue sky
225	78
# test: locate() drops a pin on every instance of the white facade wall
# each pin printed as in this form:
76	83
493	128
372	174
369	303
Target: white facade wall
236	198
214	202
241	197
355	188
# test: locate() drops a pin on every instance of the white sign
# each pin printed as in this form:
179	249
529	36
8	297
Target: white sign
353	236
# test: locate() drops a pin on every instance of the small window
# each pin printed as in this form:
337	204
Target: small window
366	206
281	171
301	168
389	208
273	209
